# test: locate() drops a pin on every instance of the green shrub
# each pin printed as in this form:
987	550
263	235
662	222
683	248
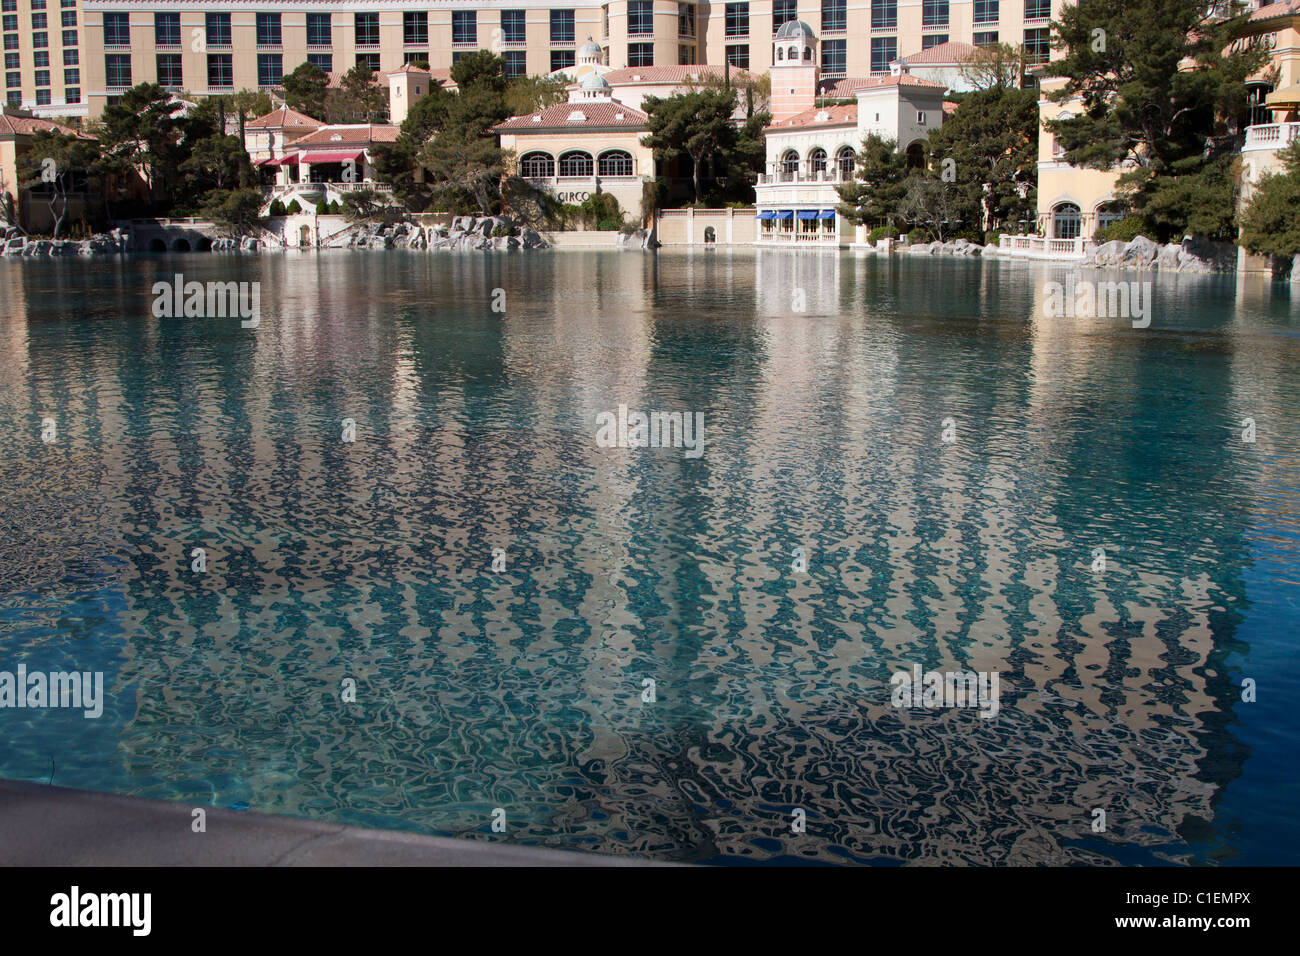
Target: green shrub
880	232
601	212
1126	230
277	208
322	209
501	232
917	235
293	208
992	237
334	208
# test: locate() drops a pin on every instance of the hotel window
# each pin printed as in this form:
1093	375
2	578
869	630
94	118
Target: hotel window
562	59
616	162
464	26
513	26
68	18
216	27
42	97
221	70
738	21
166	29
576	164
40	40
604	20
934	13
11	41
415	29
884	50
11	21
39	21
884	14
72	77
834	56
117	31
933	39
41	59
366	26
738	55
686	19
71	58
640	54
986	11
834	16
12	61
1038	9
369	60
72	94
13	79
685	54
15	97
67	3
324	61
537	166
268	29
415	56
516	63
38	4
8	6
42	77
640	18
783	11
69	37
169	70
117	69
1038	45
270	69
988	38
562	26
319	30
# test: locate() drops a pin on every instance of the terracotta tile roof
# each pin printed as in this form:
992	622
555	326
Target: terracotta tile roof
564	116
634	75
1285	9
951	52
439	74
903	79
820	116
841	88
360	135
27	125
284	118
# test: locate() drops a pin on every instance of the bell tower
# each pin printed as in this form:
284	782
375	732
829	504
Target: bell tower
794	70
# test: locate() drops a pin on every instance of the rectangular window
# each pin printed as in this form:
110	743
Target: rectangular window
934	13
42	97
72	77
268	29
221	70
562	59
884	50
217	29
685	54
41	59
67	18
834	57
319	30
834	15
640	18
783	11
516	62
270	69
72	94
1038	48
366	26
1038	9
986	11
169	70
738	55
42	77
415	28
40	40
14	97
117	70
415	56
8	6
513	28
933	39
640	54
12	61
561	26
69	37
11	41
167	29
10	21
985	38
14	78
738	21
38	4
67	3
369	60
884	14
117	31
686	20
323	60
39	21
71	58
464	26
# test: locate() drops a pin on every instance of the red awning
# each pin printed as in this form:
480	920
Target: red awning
289	160
318	158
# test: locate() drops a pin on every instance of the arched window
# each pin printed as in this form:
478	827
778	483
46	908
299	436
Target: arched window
537	166
1067	223
916	156
807	53
845	160
615	162
780	53
1057	149
710	234
817	160
794	53
576	164
790	162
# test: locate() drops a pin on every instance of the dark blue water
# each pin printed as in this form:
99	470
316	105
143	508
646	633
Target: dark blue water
522	690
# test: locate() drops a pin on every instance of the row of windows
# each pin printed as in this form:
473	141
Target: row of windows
40	41
71	95
845	159
577	164
71	77
40	21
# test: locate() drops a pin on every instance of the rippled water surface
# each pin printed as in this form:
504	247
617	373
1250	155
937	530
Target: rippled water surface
522	690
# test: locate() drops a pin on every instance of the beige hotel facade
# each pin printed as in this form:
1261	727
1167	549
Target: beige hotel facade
69	57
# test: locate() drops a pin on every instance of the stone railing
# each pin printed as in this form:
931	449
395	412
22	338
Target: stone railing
1271	135
1040	247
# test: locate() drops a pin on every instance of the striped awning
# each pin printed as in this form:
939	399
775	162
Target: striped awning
767	214
827	214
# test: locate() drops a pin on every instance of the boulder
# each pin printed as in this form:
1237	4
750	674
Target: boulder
1140	253
1203	256
1167	258
15	246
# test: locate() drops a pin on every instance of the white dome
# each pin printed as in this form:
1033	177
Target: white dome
595	82
590	48
795	28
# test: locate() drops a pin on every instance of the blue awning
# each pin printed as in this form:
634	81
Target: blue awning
785	214
807	213
827	214
767	214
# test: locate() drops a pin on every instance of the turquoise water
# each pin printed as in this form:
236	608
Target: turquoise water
522	689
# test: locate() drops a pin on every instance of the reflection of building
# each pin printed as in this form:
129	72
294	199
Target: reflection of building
811	149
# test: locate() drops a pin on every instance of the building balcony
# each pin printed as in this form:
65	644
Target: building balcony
801	178
821	237
1271	136
1040	247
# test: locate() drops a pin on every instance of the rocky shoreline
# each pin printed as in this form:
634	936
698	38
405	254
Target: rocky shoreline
15	243
1193	256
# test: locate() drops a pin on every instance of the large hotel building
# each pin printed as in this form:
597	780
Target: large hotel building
70	57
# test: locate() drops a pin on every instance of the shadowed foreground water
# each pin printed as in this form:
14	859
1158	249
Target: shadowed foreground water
523	689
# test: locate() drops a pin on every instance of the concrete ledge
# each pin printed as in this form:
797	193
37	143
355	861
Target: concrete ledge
57	826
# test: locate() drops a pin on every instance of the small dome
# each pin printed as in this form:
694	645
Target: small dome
590	48
595	82
795	28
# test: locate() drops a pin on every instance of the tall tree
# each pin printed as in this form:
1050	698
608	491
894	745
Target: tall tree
872	197
1270	224
56	165
528	94
142	132
464	170
998	65
696	124
397	163
305	89
358	99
